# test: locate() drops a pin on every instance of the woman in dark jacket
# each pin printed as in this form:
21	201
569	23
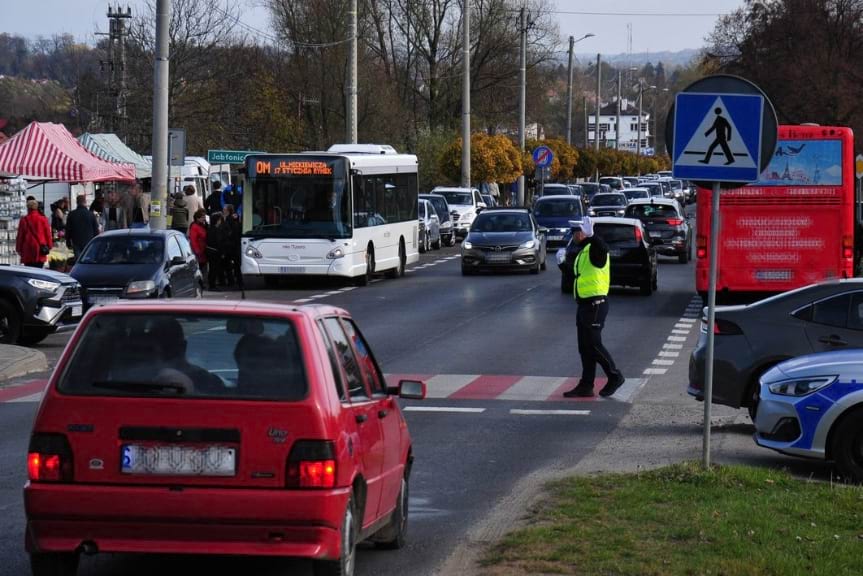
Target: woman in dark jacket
215	255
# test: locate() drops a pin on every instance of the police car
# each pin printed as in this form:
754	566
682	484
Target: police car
812	406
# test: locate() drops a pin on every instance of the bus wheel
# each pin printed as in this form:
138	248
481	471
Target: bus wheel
399	270
370	268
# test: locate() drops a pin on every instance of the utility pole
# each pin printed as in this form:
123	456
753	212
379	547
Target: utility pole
465	100
586	141
352	82
522	101
638	144
569	94
115	120
159	190
617	120
598	98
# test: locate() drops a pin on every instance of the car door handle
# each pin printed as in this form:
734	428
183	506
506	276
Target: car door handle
833	340
360	418
383	413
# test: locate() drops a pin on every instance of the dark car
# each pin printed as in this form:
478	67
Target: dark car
138	263
35	303
504	238
667	229
608	204
555	213
447	231
633	260
749	340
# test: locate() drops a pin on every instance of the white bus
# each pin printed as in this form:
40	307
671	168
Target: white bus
350	212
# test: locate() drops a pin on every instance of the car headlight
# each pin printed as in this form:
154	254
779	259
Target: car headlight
253	252
336	253
801	386
140	288
44	285
528	244
591	212
466	245
467	217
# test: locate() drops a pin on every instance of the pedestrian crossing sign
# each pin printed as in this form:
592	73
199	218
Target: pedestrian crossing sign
717	137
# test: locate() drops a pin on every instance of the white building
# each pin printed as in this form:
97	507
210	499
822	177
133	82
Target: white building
628	133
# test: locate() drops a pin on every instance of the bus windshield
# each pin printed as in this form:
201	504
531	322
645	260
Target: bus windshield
290	202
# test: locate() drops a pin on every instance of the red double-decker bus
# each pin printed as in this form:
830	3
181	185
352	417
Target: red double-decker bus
793	227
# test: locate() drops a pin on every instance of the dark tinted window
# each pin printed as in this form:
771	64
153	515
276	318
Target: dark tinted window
855	316
440	207
123	250
501	222
461	198
651	211
384	199
833	311
632	194
558	207
555	189
366	360
345	353
187	356
608	200
334	362
619	235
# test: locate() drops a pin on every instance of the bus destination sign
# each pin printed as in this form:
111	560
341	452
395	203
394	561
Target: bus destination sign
293	168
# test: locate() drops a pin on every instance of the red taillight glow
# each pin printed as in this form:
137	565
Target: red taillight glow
847	247
701	253
312	474
674	221
44	467
700	246
638	235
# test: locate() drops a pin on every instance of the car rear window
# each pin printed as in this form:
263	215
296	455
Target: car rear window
608	200
440	208
187	356
618	235
558	207
123	250
651	211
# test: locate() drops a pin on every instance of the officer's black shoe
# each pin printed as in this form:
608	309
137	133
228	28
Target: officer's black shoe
612	386
579	391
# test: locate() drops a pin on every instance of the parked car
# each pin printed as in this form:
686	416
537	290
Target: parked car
218	428
138	263
429	227
555	213
609	204
751	339
447	233
812	406
35	303
632	259
463	203
504	238
667	227
636	194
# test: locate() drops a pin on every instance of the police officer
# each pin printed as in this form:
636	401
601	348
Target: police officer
592	277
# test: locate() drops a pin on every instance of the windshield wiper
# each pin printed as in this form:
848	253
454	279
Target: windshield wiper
140	386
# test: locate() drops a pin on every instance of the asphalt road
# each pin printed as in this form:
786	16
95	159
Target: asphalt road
503	345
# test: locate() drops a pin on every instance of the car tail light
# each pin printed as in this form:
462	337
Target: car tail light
638	235
847	247
701	246
49	458
674	221
311	464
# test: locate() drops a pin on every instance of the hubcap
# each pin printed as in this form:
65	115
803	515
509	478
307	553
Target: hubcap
348	542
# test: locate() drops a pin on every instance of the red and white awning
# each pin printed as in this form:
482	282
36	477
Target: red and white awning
46	151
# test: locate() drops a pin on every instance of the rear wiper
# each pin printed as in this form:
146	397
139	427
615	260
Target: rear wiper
140	386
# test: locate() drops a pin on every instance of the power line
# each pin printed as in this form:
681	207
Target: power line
274	39
649	14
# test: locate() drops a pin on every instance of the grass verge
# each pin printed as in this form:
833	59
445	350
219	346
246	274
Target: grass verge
730	520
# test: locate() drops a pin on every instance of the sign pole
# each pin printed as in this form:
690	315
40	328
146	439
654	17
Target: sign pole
711	320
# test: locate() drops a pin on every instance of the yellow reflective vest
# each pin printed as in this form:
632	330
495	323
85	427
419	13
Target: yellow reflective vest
590	281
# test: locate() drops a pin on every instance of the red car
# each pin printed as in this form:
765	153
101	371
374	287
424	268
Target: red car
217	428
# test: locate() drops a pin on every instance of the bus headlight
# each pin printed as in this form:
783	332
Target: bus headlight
253	252
336	253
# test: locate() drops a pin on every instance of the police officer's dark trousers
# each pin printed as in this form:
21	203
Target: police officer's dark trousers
590	320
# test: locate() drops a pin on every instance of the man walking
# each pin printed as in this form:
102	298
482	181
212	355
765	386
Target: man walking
592	278
722	129
81	226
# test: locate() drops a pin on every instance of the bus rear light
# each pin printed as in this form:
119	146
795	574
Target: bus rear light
700	246
847	247
49	458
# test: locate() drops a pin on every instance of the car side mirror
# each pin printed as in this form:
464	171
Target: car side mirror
542	230
177	261
481	205
411	389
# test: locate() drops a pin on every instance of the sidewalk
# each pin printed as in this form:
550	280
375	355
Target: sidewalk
17	361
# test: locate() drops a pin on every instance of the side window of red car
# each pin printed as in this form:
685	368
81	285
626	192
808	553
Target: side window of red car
366	360
334	362
353	373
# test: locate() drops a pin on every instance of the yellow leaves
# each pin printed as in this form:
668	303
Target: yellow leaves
493	158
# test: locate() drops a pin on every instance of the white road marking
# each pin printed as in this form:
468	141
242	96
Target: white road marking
302	301
676	339
668	354
347	288
549	412
443	409
37	397
532	388
333	293
683	326
654	371
684	332
689	321
657	362
668	346
443	385
629	388
409	270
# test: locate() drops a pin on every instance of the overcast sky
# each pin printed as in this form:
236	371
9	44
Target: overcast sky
680	24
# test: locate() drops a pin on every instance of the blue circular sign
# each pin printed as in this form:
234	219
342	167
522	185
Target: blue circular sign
542	156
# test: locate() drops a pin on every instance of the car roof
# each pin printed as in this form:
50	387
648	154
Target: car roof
137	232
654	200
430	195
498	209
229	307
638	189
616	220
453	189
558	197
611	194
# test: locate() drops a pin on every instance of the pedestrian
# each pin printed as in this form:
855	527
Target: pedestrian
233	243
215	253
139	211
213	203
34	241
592	278
234	196
59	210
198	239
193	201
180	214
113	214
81	226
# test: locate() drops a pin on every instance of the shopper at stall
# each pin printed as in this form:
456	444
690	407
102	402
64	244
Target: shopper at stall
33	242
81	226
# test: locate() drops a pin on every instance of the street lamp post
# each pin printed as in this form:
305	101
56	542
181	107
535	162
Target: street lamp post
572	42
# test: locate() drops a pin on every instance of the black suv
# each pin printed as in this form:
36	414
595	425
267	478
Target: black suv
667	229
633	259
35	303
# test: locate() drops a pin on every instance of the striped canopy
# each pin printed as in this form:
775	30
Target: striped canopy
46	151
109	147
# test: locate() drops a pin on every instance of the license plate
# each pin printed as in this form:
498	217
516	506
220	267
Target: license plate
102	300
656	234
77	310
614	252
497	258
178	460
555	237
292	269
773	275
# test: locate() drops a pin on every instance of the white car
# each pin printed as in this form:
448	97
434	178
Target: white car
464	203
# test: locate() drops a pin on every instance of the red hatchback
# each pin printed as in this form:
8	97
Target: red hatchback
217	428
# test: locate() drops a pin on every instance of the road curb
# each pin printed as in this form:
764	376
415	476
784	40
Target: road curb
16	361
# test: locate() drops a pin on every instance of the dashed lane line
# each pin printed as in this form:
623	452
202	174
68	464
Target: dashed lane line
660	362
669	354
676	339
668	346
521	412
654	371
453	409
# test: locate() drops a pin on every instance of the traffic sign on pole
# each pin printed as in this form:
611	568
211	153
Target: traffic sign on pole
542	156
228	156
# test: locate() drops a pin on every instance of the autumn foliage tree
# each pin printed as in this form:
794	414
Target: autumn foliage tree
492	159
